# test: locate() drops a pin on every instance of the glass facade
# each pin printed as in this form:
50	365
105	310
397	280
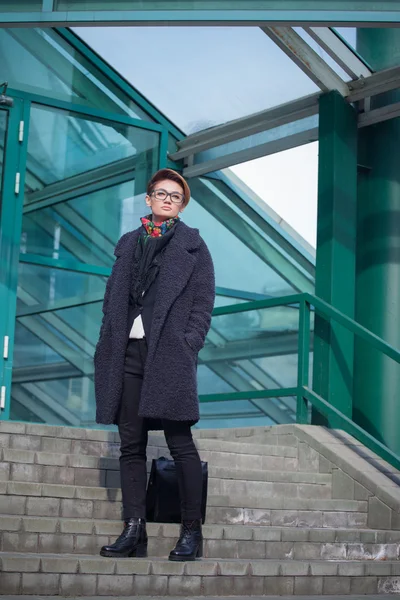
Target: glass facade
221	72
90	144
41	61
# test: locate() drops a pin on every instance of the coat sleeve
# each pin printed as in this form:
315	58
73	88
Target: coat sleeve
203	280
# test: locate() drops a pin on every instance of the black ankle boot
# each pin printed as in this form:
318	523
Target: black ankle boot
190	543
131	543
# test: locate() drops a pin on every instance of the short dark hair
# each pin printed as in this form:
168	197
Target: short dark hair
172	176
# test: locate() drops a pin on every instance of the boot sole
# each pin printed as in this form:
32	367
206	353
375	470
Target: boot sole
182	558
134	554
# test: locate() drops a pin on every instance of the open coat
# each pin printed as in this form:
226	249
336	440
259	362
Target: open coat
181	320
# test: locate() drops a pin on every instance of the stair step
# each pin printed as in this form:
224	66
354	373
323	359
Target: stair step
22	465
281	434
73	495
60	535
83	459
234	488
286	511
39	443
71	575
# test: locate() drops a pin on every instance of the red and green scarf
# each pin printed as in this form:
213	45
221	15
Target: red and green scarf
154	229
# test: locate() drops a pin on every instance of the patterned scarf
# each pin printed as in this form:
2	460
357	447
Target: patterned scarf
154	229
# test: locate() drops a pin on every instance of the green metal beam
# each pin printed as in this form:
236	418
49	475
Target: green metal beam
336	239
377	378
248	395
68	265
235	12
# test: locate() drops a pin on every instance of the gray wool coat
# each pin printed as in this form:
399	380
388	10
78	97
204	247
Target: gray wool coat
181	320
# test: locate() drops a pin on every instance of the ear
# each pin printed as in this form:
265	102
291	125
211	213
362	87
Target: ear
148	200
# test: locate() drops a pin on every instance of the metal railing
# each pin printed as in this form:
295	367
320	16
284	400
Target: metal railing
304	394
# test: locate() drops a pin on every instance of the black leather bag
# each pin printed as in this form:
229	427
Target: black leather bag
163	501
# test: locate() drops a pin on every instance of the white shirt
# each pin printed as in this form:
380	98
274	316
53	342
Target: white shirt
137	331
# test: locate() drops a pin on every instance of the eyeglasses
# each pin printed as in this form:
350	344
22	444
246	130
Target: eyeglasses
161	195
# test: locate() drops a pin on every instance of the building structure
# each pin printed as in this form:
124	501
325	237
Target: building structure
78	146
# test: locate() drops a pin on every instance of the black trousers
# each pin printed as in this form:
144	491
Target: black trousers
133	432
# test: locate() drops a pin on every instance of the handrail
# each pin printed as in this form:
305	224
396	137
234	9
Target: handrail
258	304
305	302
328	310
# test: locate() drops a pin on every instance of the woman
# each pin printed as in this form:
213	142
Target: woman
157	312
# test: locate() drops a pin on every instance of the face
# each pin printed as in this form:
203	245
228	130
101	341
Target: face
165	209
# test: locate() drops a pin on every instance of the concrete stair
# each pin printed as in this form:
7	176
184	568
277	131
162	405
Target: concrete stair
285	516
70	575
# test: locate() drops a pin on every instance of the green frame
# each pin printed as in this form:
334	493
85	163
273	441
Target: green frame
10	229
281	12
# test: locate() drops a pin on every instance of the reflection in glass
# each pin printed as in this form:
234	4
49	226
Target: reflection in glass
53	367
87	227
234	413
68	401
63	145
250	351
45	287
43	62
236	241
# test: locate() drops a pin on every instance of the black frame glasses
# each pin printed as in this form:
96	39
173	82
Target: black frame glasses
179	198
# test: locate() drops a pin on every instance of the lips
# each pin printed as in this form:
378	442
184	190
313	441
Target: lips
166	207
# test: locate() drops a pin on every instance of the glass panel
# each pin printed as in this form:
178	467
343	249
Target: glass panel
232	267
228	301
221	216
63	145
248	351
293	198
44	287
67	401
20	5
41	61
53	369
233	413
286	5
222	70
349	34
86	228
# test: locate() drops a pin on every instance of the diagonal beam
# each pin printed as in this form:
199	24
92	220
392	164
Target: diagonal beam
306	59
341	53
206	194
246	126
227	160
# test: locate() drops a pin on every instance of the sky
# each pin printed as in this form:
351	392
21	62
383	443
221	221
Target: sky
204	76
